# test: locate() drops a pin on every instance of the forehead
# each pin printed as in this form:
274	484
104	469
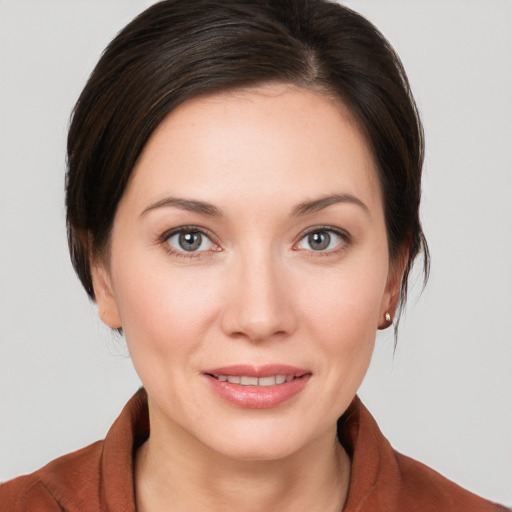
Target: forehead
275	141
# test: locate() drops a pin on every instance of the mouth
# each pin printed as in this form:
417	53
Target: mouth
247	380
257	387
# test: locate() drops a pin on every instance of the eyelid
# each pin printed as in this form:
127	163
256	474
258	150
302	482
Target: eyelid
164	237
213	239
338	231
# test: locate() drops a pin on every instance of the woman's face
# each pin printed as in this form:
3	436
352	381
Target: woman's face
249	249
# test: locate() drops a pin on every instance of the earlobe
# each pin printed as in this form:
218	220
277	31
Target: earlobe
105	296
388	310
391	296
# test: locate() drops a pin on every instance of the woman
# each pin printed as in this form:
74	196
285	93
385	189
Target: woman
248	216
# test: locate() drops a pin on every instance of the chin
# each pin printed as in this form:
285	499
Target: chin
267	440
247	449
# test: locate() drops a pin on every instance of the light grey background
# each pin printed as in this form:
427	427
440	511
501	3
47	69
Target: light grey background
446	396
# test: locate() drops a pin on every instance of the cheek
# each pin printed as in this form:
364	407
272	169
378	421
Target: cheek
346	330
345	302
163	309
342	310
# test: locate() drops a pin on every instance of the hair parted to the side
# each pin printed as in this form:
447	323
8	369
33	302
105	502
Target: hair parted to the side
180	49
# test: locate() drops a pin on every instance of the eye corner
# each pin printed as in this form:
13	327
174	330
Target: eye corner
201	242
330	240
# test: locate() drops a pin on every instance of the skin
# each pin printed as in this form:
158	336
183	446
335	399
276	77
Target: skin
255	292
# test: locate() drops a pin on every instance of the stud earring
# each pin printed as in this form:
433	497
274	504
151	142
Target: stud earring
387	316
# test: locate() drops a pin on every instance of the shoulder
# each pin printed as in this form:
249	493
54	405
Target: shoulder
63	484
383	479
97	477
424	489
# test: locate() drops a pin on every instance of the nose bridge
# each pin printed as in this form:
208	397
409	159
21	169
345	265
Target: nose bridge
259	304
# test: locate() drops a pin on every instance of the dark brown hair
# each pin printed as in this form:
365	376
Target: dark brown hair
179	49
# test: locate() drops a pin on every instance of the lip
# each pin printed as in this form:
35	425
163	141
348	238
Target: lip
266	370
257	397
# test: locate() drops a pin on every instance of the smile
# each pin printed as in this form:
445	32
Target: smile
246	380
263	387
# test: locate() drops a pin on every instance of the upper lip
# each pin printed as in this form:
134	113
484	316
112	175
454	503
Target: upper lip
266	370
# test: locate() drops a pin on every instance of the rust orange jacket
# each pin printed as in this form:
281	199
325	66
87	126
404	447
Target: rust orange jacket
100	476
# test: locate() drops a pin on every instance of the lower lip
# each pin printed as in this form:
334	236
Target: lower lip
258	397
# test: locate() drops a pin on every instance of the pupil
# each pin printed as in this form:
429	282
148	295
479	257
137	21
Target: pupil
319	240
190	241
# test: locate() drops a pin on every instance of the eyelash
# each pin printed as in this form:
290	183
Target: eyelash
347	240
164	240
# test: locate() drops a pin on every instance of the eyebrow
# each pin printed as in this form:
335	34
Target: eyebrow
190	205
304	208
316	205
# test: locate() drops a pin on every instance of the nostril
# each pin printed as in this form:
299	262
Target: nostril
258	305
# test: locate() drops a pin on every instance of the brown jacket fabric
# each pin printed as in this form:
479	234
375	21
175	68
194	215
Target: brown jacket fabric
100	476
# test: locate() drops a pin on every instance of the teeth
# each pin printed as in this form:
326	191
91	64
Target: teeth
267	381
245	380
248	381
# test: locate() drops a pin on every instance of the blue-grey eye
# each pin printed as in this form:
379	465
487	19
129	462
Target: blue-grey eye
320	240
190	241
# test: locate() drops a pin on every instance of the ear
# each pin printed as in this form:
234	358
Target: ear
391	295
104	294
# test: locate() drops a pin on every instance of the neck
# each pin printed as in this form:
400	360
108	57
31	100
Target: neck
170	469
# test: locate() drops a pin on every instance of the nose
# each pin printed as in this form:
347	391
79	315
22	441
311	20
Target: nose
259	301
